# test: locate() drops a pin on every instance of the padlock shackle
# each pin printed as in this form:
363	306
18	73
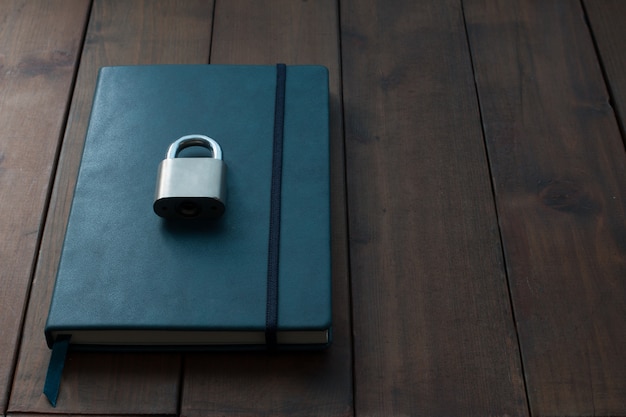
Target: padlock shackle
194	140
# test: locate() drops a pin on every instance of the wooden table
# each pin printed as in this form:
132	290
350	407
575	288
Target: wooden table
478	200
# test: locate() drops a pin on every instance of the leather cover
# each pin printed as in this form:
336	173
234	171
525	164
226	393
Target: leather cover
124	268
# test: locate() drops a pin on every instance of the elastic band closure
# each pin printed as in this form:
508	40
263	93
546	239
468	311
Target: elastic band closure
271	308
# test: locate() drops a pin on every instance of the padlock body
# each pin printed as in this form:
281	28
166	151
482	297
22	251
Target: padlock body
191	188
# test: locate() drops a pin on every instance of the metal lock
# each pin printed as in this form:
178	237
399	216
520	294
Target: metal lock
191	188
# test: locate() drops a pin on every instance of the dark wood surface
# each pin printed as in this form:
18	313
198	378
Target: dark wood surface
39	48
433	327
478	204
557	161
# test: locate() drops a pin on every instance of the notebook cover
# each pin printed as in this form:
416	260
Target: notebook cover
123	269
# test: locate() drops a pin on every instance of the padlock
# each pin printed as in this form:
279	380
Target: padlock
191	188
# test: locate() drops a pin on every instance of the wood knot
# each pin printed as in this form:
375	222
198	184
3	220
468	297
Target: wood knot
45	63
567	196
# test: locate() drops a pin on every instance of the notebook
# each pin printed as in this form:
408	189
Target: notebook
257	277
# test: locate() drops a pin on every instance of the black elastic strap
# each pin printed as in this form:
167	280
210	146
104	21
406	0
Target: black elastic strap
271	308
55	369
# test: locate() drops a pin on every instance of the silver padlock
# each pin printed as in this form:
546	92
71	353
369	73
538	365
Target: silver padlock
191	188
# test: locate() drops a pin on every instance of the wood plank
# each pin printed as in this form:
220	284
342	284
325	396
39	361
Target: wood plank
39	46
119	33
559	172
606	18
251	32
433	330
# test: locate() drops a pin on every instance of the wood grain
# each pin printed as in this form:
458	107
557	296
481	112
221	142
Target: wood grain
433	330
39	46
606	19
559	171
251	32
119	33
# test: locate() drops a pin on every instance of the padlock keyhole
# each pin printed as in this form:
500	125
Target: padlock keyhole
189	209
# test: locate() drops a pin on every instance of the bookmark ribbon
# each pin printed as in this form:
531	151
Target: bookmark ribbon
55	369
271	308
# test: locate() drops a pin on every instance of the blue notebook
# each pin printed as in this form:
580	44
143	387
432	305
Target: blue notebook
128	279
